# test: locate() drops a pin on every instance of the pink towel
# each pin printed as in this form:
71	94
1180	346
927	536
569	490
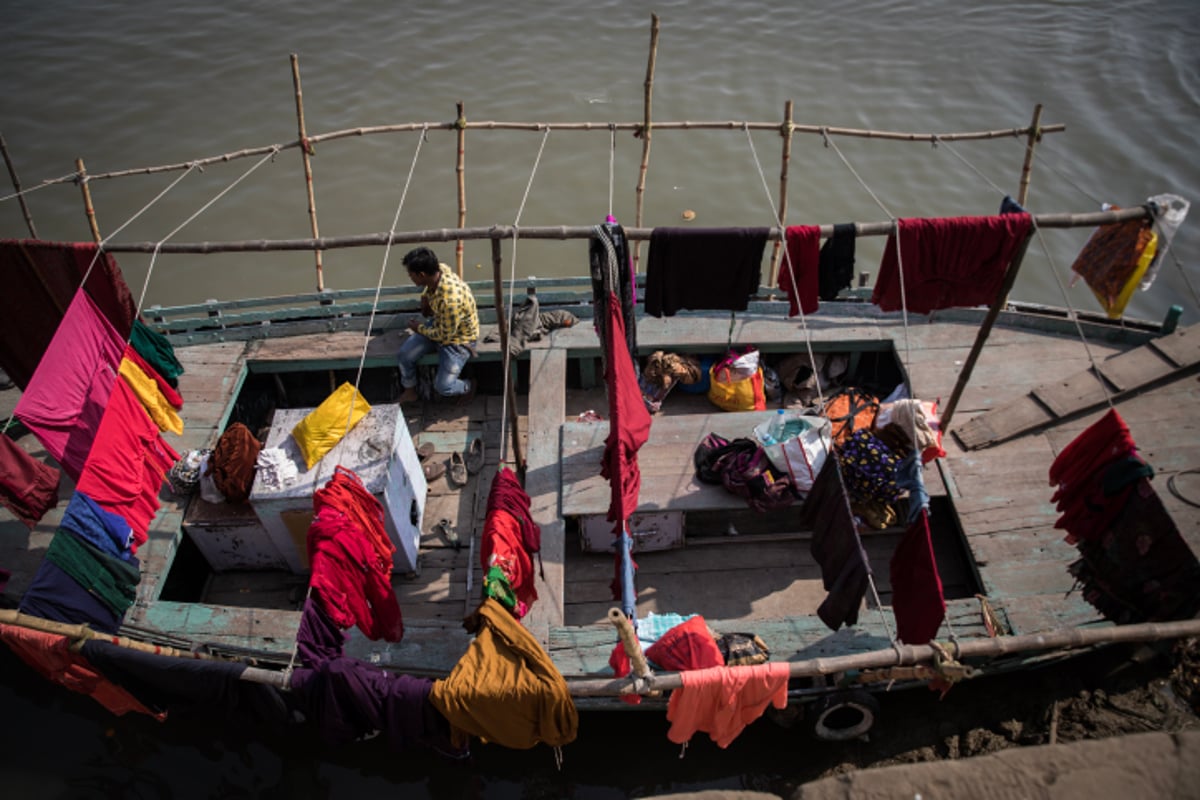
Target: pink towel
722	701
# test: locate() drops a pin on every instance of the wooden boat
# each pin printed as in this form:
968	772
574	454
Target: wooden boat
1021	383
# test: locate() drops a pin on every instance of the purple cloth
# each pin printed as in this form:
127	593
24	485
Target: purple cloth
55	595
65	400
102	529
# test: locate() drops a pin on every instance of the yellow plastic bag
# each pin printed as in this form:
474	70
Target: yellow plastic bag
731	393
326	424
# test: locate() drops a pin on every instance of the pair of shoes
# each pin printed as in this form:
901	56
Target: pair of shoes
474	455
433	470
425	450
458	470
466	397
409	395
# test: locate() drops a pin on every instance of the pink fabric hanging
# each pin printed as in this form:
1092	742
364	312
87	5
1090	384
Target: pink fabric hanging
951	262
802	263
65	400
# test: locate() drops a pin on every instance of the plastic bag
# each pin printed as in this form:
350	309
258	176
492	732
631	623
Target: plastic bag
802	452
1170	210
736	382
326	424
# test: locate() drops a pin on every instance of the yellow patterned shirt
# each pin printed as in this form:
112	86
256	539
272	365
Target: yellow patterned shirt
455	320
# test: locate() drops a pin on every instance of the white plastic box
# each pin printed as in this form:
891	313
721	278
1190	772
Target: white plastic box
380	451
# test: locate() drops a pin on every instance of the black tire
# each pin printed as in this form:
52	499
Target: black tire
843	715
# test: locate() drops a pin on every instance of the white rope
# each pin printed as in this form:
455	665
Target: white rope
42	185
612	157
511	283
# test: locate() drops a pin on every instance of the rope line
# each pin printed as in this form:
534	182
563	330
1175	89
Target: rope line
42	185
612	156
512	279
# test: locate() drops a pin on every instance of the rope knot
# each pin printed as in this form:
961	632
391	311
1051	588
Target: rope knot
825	135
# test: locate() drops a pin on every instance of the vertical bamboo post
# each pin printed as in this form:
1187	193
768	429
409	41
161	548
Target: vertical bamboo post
306	152
16	182
785	130
460	122
511	391
645	133
81	172
1035	134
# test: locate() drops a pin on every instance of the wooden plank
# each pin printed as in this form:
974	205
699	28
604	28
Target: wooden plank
1135	368
990	428
1181	347
1072	394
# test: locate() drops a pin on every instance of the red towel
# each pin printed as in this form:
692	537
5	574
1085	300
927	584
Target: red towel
802	262
958	261
28	488
917	598
629	421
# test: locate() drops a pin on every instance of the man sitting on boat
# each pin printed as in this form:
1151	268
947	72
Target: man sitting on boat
452	332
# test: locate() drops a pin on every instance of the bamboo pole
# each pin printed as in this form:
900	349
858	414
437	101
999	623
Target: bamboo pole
16	182
88	209
629	641
785	130
306	152
461	168
80	633
1031	141
542	127
645	133
510	390
903	655
554	232
985	328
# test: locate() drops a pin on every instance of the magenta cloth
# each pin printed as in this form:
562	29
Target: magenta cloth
65	400
951	262
918	600
28	488
802	261
128	462
40	281
629	421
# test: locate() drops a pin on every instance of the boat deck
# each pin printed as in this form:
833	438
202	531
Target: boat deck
1004	544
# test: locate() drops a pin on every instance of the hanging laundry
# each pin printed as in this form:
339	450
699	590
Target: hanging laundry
232	463
127	464
349	699
28	488
157	350
845	569
40	281
67	395
505	689
918	600
351	558
51	655
835	270
612	271
102	529
149	394
799	273
113	581
703	268
1085	511
509	541
1114	261
55	595
721	701
629	425
950	262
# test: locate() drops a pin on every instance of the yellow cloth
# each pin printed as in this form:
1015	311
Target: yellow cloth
151	397
326	424
505	689
455	318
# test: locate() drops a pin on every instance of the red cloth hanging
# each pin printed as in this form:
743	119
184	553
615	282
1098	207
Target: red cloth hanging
950	262
803	261
629	421
917	596
28	488
1078	473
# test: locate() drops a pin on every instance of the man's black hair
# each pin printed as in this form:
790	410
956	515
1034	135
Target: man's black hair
421	259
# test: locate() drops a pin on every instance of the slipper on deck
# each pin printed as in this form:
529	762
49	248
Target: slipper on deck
474	456
434	470
426	450
458	470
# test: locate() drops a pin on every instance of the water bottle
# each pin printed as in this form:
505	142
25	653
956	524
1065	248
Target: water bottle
775	429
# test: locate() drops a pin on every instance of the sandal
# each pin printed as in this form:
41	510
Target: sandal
445	529
434	470
474	456
425	450
458	470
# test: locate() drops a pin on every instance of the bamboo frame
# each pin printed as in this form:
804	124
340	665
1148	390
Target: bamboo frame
640	191
88	209
306	152
16	182
461	168
510	390
1031	140
785	160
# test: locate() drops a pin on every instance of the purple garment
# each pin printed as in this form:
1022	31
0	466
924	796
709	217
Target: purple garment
350	699
836	548
703	268
65	400
55	595
102	529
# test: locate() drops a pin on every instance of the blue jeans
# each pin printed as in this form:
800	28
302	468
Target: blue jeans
451	358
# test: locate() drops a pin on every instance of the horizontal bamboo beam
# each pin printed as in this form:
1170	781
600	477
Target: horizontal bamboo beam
560	232
903	655
635	127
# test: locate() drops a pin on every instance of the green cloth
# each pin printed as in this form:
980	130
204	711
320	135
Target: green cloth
496	586
112	580
157	351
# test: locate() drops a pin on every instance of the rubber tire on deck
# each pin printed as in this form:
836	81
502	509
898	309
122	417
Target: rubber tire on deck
843	715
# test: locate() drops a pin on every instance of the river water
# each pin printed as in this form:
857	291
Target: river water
128	84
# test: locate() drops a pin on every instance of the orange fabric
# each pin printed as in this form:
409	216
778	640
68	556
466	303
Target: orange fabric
723	700
505	689
49	654
150	396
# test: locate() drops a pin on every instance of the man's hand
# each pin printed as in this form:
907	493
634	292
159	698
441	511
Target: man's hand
414	323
